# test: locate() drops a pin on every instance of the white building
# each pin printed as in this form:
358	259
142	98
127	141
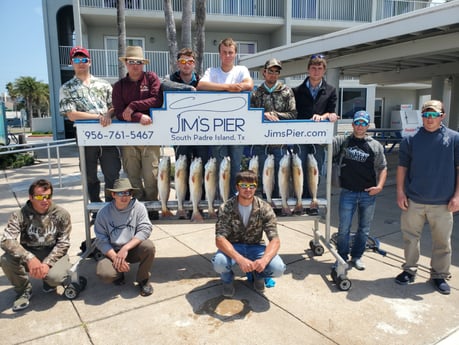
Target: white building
259	26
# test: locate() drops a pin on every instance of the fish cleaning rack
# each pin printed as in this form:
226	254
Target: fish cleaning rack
214	118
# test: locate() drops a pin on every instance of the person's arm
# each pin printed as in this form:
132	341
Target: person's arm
226	247
270	252
380	183
402	200
453	204
63	225
10	242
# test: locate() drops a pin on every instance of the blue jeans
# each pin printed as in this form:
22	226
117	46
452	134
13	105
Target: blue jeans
223	264
348	202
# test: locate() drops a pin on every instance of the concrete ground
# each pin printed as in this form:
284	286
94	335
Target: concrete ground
304	307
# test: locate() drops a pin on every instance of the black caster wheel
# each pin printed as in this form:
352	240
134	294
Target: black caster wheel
71	292
343	283
82	281
318	250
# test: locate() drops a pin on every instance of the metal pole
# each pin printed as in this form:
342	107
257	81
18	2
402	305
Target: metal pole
59	166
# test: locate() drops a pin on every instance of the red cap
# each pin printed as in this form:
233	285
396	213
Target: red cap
79	50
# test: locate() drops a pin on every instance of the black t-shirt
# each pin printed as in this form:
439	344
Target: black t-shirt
357	170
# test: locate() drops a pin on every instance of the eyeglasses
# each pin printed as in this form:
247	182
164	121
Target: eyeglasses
432	114
134	62
317	56
80	60
247	185
42	197
123	193
360	123
186	62
273	72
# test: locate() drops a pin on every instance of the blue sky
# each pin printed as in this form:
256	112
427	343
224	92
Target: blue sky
23	41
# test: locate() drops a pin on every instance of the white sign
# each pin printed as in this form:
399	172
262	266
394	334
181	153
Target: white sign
205	118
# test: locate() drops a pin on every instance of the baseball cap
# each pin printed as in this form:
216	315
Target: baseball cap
434	105
79	50
362	115
273	63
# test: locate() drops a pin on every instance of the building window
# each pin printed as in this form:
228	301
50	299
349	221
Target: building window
350	101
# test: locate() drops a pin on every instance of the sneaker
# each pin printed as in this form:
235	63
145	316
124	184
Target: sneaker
146	289
404	278
22	300
358	264
228	289
442	286
259	284
48	288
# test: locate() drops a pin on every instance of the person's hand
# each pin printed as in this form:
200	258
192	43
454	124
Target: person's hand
373	190
234	87
119	262
127	114
37	269
245	265
270	116
402	201
146	120
453	204
316	118
105	120
332	117
259	265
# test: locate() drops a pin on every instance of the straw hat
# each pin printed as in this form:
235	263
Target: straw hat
134	53
121	185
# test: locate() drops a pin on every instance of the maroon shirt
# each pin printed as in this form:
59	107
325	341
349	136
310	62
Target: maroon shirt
139	95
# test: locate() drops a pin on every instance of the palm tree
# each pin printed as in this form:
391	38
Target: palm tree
27	87
186	23
171	33
200	34
121	23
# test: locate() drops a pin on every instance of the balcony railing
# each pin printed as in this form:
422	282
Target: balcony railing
325	10
104	63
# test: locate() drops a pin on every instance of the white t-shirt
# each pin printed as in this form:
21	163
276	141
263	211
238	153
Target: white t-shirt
216	75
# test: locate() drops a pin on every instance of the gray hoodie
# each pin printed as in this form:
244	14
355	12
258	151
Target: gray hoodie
114	228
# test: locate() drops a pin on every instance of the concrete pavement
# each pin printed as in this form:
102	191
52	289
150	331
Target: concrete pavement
304	307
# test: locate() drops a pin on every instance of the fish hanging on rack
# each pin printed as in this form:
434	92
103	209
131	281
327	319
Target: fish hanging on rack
253	164
181	184
297	177
268	178
313	181
283	177
224	178
164	184
195	183
210	185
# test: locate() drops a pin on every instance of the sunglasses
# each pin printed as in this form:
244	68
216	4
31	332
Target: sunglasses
317	56
124	193
186	62
432	114
42	197
360	123
80	60
273	72
134	62
247	185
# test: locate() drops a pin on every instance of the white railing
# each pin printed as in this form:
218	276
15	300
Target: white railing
326	10
104	63
261	8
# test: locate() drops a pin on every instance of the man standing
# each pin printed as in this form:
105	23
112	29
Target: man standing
241	222
122	231
363	174
85	97
232	78
315	100
36	241
185	64
278	102
133	96
428	189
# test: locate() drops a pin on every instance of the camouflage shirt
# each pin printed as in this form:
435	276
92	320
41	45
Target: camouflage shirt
95	98
230	225
27	229
280	101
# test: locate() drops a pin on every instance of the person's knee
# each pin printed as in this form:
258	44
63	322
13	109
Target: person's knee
220	263
277	268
